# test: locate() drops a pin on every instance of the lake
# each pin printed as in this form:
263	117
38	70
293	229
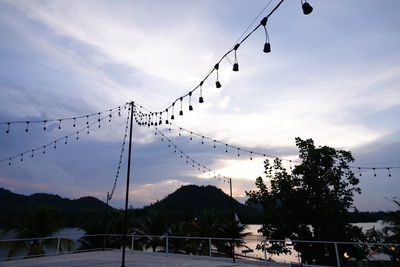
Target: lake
294	257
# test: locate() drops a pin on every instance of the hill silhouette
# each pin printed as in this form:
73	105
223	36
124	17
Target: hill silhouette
189	200
74	212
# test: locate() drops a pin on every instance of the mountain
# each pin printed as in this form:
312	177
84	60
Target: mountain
188	201
74	212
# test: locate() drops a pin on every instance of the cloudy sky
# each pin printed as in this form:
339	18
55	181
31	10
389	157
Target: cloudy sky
332	76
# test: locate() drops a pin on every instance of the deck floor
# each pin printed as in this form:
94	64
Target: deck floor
113	258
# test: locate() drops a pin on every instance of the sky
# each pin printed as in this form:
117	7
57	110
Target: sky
332	76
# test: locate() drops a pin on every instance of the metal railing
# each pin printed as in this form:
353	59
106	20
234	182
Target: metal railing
209	247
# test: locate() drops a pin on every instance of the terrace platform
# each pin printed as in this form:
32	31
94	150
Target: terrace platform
132	259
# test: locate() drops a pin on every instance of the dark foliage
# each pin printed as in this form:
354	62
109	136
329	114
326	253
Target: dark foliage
311	203
74	213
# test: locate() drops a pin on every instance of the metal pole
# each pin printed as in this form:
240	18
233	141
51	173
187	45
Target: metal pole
58	246
233	221
166	245
337	255
105	223
209	247
127	188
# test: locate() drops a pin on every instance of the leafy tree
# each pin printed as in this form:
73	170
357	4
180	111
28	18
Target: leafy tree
311	203
392	233
42	222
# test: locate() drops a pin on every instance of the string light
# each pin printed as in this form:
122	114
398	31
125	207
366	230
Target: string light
110	196
217	82
225	56
182	154
42	148
252	152
201	100
181	111
190	102
236	63
59	121
267	45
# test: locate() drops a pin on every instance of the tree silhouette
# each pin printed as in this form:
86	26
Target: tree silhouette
43	221
311	203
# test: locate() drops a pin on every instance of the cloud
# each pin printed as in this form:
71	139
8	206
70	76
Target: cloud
68	58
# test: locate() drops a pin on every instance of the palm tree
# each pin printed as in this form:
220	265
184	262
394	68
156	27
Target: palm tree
42	222
208	224
155	223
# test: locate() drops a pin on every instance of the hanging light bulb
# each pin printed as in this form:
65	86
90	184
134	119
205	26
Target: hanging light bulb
73	125
8	127
166	121
359	170
267	45
374	172
172	116
201	100
181	111
9	162
44	150
389	174
27	126
44	126
307	8
190	101
236	64
217	83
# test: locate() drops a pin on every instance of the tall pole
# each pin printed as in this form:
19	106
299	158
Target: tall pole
127	188
105	223
233	221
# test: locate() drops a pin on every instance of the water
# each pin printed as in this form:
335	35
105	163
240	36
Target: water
294	257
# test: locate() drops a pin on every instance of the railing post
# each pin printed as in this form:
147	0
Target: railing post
337	255
58	246
209	247
166	245
265	251
132	242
